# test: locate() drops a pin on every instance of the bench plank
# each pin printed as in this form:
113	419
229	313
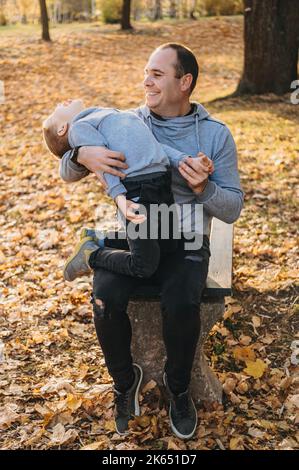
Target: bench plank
219	281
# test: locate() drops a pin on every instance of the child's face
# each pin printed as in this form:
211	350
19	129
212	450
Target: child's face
66	111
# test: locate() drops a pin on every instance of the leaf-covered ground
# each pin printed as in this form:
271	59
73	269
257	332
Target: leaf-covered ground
54	388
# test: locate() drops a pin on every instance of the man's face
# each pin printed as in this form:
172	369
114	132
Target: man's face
163	91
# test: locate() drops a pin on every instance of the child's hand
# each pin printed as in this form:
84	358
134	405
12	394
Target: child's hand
205	162
128	209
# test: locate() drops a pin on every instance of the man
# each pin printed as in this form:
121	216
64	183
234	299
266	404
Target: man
170	78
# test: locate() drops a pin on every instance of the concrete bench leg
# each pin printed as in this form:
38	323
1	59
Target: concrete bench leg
148	347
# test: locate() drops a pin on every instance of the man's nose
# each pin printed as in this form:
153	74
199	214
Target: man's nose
147	81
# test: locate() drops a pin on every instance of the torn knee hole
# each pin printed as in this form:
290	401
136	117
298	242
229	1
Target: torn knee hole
99	308
99	303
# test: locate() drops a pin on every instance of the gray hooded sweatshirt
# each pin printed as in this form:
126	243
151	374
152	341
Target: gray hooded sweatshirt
196	132
121	131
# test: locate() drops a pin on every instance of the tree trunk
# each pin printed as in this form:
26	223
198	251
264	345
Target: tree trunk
44	20
172	9
125	16
193	9
271	37
158	10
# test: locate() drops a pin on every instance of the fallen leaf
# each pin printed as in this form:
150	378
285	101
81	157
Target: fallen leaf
254	432
244	354
255	369
60	436
245	340
149	386
236	443
229	385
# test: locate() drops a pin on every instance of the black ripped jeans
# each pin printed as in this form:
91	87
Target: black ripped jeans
141	256
181	277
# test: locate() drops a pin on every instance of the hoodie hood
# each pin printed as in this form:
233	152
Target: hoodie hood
176	128
198	110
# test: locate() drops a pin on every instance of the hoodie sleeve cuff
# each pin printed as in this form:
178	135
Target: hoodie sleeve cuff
208	192
117	190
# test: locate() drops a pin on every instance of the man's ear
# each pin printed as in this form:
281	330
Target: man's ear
186	81
62	130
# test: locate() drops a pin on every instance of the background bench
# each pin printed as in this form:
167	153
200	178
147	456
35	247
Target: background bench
144	310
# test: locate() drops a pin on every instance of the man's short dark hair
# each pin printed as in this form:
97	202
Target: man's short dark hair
186	61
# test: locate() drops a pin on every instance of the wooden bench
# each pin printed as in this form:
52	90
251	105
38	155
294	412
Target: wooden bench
144	311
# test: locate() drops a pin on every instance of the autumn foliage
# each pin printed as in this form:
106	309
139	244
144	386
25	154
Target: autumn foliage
54	387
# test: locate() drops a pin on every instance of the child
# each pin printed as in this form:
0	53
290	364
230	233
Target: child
147	181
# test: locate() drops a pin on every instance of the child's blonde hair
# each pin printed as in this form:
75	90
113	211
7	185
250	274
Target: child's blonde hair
57	144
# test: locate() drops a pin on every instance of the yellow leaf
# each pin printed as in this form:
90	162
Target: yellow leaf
73	402
142	421
236	443
255	368
110	426
149	386
38	338
244	354
95	445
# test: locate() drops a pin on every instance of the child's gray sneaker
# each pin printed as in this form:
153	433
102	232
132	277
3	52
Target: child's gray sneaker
77	264
97	236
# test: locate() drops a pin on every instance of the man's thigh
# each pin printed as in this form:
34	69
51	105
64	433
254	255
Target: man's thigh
183	275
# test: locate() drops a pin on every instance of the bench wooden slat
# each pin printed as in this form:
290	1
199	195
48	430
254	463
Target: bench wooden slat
219	280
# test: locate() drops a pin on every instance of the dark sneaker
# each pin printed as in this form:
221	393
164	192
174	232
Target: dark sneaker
77	264
96	235
127	403
182	413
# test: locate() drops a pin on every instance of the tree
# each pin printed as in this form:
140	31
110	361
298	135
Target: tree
173	9
125	15
158	15
193	10
44	20
271	37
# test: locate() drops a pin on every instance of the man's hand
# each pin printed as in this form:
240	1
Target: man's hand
196	171
128	209
101	160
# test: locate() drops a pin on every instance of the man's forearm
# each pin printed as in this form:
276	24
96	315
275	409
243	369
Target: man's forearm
223	203
71	172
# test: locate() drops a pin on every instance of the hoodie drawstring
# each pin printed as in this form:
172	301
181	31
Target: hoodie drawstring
197	130
196	115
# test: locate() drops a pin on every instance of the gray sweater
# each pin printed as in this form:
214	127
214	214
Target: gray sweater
121	131
223	196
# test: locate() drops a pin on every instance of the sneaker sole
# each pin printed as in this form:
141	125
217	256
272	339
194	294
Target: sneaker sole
137	406
173	428
176	432
72	257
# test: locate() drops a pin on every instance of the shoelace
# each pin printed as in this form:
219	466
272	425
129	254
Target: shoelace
122	402
183	405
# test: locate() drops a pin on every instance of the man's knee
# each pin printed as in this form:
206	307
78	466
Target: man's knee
146	268
109	305
146	271
98	308
180	309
